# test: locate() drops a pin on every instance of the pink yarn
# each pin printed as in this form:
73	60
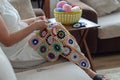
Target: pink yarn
60	4
73	5
67	7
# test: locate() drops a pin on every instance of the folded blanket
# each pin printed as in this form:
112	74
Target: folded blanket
56	41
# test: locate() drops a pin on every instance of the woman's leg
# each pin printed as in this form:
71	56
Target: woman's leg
6	70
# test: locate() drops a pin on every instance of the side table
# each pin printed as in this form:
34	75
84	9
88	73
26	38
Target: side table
84	32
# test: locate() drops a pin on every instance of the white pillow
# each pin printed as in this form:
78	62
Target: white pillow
119	0
119	7
103	7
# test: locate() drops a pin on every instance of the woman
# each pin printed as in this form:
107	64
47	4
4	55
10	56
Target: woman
15	34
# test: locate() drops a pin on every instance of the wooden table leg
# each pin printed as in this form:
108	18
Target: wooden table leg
83	41
47	8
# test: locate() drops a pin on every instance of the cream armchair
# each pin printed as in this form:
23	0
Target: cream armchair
25	9
61	71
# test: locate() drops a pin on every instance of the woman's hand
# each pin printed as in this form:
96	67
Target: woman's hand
31	20
39	24
41	18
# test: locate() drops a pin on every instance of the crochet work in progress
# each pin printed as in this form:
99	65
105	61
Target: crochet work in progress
56	40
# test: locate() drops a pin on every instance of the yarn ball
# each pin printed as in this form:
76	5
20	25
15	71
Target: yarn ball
67	7
73	5
60	4
59	10
75	8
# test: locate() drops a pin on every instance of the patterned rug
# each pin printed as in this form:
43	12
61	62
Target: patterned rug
111	74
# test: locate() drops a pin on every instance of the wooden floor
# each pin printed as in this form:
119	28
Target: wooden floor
106	61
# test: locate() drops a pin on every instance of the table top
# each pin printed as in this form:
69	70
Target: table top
89	24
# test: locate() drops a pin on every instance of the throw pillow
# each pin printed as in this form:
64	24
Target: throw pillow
24	7
119	0
103	7
119	7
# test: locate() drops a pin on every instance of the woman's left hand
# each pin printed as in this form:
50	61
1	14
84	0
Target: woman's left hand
41	18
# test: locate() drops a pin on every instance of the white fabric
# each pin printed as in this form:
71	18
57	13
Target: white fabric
109	26
61	71
21	50
103	7
6	70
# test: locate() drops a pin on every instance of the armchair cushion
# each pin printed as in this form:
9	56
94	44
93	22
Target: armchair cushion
61	71
110	26
24	8
103	7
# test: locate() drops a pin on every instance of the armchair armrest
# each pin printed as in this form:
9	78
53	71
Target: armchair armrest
88	12
38	12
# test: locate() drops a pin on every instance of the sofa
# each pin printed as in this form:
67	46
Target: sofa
106	13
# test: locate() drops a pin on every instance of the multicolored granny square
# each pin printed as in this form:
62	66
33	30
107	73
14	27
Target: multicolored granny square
56	40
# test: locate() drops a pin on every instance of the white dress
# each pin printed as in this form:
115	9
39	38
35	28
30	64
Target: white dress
20	54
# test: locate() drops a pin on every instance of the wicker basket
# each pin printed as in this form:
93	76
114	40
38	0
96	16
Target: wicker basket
67	18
